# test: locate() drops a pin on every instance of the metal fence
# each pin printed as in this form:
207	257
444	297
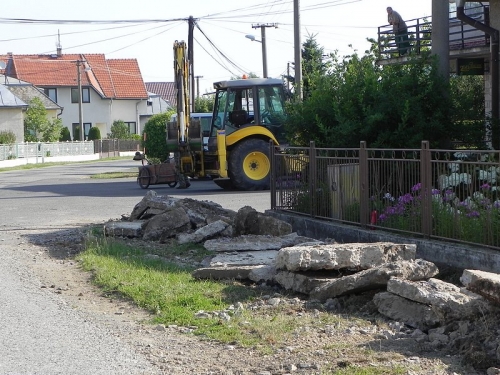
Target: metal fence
107	148
443	194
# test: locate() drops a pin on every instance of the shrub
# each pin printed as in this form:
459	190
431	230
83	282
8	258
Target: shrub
65	135
156	139
119	130
7	137
94	133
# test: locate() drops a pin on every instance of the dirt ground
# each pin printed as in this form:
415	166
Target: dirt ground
175	350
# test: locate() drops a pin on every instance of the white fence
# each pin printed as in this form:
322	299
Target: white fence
43	152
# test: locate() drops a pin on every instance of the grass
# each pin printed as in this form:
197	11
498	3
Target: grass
132	173
167	290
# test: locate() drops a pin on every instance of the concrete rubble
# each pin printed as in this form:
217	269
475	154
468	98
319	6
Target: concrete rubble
248	245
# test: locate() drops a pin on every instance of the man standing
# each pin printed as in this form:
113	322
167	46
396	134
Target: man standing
400	31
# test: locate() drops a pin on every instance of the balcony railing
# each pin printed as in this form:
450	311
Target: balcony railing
462	36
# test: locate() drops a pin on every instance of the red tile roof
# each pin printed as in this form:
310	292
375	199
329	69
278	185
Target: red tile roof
114	78
165	89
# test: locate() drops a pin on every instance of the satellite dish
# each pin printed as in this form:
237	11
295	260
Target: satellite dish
2	65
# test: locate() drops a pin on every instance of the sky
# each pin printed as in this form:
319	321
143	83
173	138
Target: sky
147	30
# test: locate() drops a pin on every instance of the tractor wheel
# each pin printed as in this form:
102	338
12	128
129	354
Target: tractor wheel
250	166
144	178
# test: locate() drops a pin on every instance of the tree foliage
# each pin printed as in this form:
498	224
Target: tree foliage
156	135
7	137
204	104
353	99
65	135
119	130
37	127
94	133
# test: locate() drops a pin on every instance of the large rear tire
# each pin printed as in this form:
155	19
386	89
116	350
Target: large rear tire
250	165
144	178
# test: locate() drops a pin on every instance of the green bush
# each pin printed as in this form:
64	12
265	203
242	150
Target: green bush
7	137
94	133
65	135
156	136
119	130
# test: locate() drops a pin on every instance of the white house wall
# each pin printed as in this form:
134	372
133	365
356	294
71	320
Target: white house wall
99	112
11	119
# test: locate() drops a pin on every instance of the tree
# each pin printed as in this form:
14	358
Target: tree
65	135
395	106
119	130
37	127
156	136
94	133
204	104
313	64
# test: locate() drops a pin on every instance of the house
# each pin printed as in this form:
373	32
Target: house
156	104
166	90
111	89
11	113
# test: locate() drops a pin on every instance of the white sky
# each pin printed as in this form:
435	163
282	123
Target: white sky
336	24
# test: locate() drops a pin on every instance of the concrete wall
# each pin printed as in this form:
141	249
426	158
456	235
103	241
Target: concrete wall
440	252
12	119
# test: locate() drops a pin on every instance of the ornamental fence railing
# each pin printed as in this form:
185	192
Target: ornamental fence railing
104	147
443	194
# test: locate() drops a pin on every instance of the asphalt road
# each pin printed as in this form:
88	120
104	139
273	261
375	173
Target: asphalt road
39	333
62	195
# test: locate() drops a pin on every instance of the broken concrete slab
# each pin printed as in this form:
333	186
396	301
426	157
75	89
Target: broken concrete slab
166	225
152	200
224	273
411	313
244	258
123	229
203	233
486	284
263	274
250	221
244	243
293	239
300	282
375	278
357	256
446	299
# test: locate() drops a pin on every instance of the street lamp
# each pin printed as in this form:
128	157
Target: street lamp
264	53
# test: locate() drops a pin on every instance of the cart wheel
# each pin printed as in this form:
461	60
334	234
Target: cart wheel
144	178
172	184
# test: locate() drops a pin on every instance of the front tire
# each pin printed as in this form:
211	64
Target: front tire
250	165
144	178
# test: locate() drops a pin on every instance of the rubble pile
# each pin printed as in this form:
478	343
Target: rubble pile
253	246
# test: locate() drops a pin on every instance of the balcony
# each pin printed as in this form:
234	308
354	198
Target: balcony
465	40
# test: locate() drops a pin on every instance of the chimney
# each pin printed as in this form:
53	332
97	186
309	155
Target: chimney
59	51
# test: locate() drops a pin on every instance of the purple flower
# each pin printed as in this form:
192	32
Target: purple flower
405	199
416	187
473	214
436	191
485	186
382	217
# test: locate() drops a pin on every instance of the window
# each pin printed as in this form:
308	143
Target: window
76	130
51	93
85	95
132	128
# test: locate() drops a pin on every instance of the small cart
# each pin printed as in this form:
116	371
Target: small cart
154	174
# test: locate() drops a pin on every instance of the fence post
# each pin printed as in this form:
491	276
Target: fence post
273	174
426	181
312	177
364	191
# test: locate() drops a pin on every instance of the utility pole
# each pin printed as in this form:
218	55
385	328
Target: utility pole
191	61
198	86
262	27
80	104
298	49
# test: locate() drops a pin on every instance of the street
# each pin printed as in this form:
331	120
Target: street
66	195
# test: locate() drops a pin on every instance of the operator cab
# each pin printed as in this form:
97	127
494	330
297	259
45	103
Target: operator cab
249	102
